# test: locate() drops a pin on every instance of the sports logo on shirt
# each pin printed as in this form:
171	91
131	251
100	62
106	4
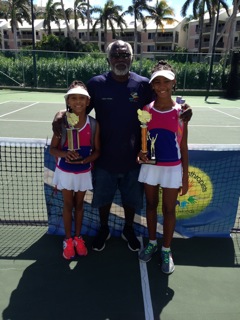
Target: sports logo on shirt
133	97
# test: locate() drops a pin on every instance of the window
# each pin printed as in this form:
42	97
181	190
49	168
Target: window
150	49
151	35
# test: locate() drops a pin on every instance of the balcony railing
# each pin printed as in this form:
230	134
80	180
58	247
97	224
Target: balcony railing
164	39
125	38
26	36
237	44
206	44
91	38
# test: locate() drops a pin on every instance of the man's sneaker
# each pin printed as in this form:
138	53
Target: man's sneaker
146	254
129	235
68	249
99	242
80	247
167	262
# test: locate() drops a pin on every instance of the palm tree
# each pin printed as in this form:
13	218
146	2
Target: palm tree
161	13
212	6
51	13
17	11
231	24
80	11
3	9
65	19
135	10
198	13
108	15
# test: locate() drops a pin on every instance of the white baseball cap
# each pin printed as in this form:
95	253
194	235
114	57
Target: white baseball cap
77	90
164	73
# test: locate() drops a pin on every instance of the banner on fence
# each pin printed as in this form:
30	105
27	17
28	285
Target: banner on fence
208	209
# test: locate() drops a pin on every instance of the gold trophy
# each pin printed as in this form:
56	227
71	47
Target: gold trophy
72	134
144	117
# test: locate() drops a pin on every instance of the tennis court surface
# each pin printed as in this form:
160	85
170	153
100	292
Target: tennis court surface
37	283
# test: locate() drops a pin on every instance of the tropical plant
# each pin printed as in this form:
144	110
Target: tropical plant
65	19
231	25
108	15
16	11
212	7
3	9
135	10
52	13
198	13
161	13
80	11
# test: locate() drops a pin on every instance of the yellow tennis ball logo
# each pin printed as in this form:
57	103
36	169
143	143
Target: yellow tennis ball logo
198	197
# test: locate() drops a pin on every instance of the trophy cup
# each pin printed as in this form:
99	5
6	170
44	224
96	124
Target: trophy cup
144	117
72	134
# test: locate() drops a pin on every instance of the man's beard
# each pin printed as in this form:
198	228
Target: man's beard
121	72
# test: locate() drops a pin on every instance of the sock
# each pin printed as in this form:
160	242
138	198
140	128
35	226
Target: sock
154	242
165	249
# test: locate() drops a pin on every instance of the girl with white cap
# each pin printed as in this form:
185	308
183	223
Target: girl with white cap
75	151
170	172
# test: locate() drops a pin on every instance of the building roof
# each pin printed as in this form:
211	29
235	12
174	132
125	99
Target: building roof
151	25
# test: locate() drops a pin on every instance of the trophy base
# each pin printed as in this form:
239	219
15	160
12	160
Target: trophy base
76	160
151	161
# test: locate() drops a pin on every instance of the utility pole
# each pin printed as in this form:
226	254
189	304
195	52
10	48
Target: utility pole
213	52
33	49
88	21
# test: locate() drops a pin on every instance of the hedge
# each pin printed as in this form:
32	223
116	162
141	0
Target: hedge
59	70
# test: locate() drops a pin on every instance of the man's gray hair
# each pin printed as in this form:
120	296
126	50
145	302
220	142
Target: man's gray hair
120	42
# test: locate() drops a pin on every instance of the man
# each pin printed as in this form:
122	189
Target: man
116	96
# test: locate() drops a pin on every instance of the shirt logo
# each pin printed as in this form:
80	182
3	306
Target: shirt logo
133	97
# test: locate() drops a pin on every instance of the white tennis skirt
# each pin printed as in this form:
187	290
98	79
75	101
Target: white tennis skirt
72	181
166	177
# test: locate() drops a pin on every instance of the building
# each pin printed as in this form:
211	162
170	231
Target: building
149	40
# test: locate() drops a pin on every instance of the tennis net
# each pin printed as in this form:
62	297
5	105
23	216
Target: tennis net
28	197
22	199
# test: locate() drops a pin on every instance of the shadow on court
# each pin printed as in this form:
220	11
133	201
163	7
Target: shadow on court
100	286
104	285
209	102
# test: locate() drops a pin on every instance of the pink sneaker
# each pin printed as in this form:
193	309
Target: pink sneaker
80	247
68	249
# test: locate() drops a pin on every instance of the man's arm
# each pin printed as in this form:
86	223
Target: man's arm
59	117
186	114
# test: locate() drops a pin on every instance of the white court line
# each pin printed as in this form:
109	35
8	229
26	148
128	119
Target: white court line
4	102
211	126
6	114
189	125
40	121
227	114
147	301
219	107
41	102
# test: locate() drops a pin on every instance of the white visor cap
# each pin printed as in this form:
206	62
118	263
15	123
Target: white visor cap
163	73
78	90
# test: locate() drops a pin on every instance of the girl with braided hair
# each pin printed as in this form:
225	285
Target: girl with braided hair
170	173
75	155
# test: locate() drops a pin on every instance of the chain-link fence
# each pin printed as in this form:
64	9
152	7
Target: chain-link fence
56	70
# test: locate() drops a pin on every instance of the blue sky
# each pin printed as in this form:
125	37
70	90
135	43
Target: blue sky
175	4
